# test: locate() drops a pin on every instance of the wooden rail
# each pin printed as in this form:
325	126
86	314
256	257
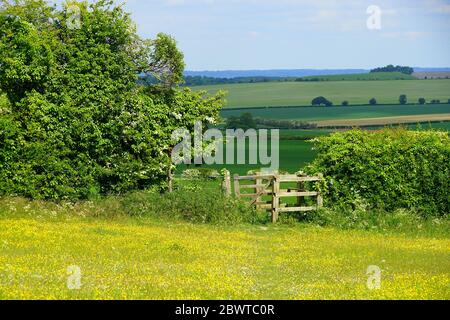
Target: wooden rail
270	185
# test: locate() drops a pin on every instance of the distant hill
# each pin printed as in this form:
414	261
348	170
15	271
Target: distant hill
192	81
289	73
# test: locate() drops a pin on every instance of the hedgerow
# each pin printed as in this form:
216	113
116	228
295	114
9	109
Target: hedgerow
388	169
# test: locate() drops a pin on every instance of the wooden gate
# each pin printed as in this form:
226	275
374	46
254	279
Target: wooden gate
259	188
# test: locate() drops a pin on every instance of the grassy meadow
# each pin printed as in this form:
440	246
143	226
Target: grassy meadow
355	92
131	258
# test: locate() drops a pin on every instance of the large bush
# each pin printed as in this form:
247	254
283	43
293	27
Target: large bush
388	169
79	123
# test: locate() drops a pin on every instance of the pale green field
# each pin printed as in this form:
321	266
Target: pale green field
356	92
132	259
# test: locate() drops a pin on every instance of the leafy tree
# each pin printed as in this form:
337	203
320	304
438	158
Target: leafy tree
392	68
166	61
403	99
373	101
345	103
80	124
321	101
244	122
422	101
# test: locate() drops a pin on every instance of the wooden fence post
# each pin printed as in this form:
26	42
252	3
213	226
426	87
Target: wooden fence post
320	196
258	189
301	188
275	198
227	183
237	190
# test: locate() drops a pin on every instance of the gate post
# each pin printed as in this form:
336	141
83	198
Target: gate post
275	198
301	188
258	189
320	196
237	190
226	186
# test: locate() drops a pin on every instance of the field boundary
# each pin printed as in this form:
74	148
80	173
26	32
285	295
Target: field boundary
382	121
271	185
228	109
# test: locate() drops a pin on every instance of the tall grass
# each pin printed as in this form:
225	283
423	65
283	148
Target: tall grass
190	201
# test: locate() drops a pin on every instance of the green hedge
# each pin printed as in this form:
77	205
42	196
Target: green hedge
389	169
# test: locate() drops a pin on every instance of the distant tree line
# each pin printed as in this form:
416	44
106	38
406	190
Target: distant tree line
392	68
202	80
245	121
192	81
285	124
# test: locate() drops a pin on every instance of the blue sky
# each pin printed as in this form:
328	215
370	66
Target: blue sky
280	34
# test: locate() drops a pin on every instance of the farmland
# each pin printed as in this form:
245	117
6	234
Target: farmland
355	92
296	149
383	121
150	259
294	154
432	75
95	118
312	114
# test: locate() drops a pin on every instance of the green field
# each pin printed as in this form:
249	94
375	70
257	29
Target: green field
294	155
356	92
128	258
333	113
295	152
362	76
